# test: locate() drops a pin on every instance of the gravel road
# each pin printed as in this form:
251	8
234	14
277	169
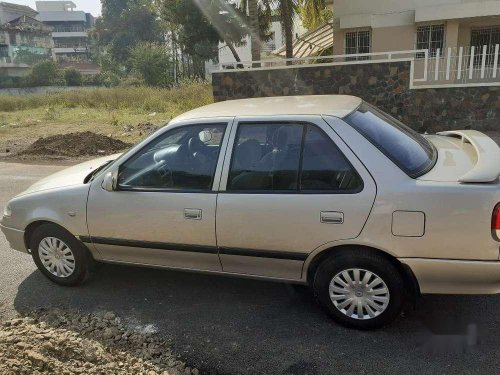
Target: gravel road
224	325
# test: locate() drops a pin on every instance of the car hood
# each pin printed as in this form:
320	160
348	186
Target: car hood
70	176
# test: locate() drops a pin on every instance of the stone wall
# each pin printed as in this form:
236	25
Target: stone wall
383	84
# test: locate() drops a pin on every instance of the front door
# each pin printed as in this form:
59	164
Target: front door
287	188
163	212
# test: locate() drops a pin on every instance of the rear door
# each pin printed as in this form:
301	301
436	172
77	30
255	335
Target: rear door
289	186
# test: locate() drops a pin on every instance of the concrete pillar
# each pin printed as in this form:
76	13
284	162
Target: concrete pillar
451	36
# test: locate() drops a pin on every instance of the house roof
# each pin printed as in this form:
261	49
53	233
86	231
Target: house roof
333	105
26	23
18	7
311	43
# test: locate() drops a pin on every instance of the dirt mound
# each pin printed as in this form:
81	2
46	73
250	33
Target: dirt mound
75	145
69	342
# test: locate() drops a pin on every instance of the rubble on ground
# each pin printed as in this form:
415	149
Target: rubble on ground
70	342
75	145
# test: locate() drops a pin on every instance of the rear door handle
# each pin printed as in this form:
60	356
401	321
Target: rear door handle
332	217
192	214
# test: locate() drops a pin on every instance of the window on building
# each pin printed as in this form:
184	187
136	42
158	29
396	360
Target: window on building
485	37
13	38
4	51
358	42
430	37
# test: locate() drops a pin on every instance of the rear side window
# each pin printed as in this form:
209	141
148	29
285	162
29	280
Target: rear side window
406	148
324	167
266	157
289	158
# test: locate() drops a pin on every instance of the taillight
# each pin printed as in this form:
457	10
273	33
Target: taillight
495	222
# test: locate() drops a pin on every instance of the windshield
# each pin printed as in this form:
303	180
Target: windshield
409	150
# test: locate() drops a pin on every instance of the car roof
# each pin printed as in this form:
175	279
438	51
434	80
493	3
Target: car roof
333	105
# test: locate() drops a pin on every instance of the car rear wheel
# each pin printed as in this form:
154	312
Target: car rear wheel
359	289
59	255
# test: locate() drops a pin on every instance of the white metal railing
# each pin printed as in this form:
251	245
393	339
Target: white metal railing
453	67
360	58
463	66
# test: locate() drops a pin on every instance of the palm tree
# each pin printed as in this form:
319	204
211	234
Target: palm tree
288	10
314	13
253	15
259	19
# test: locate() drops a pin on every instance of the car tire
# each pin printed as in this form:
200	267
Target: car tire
360	289
59	255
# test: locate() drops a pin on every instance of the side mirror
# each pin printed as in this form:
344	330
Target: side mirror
109	182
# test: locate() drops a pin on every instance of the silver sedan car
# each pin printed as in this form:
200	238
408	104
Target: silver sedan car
327	191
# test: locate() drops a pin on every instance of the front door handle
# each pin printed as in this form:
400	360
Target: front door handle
192	214
332	217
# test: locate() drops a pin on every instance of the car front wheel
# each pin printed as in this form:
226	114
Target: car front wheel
59	255
359	289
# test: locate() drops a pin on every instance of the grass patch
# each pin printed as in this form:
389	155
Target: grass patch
176	100
24	119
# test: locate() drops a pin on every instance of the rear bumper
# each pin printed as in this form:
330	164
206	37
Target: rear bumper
15	238
442	276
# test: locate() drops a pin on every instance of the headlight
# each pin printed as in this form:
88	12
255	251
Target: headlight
7	212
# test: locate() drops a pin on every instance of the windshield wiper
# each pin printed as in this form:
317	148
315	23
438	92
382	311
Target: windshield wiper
91	175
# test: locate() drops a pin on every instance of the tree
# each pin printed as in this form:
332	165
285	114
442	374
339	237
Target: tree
152	63
125	23
258	18
314	13
197	26
286	10
43	74
253	15
73	77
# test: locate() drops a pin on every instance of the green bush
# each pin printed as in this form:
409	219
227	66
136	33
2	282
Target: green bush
73	77
107	79
44	73
152	62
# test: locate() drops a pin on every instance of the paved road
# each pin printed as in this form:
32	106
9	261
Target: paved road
230	326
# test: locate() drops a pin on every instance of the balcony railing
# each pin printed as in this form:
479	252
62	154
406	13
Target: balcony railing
71	45
68	29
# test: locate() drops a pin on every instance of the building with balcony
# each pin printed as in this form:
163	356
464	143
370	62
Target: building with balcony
24	40
362	26
69	29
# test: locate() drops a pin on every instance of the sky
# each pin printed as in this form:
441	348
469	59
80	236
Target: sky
89	6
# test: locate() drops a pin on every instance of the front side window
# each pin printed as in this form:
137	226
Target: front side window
406	148
289	158
184	158
430	37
